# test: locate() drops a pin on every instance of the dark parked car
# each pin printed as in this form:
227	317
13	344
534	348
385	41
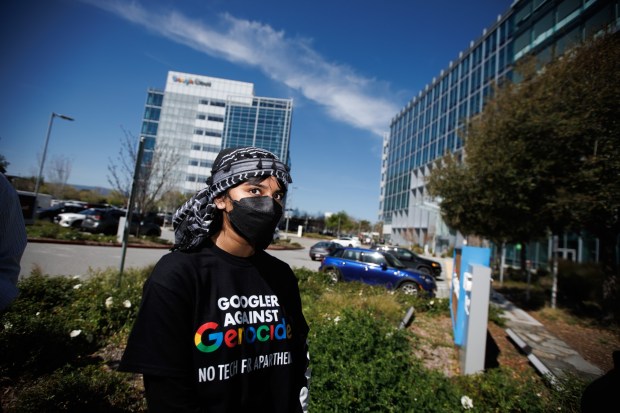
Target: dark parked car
49	214
376	268
106	221
322	249
413	260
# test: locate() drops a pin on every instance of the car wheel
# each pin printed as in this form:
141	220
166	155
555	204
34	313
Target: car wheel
76	224
424	270
333	274
410	288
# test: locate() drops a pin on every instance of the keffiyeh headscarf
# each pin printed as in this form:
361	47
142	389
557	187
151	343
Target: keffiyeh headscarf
192	221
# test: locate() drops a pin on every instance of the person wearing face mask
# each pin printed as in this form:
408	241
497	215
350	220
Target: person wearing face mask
220	327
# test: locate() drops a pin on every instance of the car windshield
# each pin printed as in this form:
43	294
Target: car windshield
393	261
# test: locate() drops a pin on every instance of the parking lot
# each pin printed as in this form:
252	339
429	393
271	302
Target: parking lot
77	260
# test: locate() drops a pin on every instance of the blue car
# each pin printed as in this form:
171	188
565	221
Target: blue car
377	268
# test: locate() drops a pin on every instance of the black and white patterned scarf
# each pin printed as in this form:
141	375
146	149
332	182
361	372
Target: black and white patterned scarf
192	221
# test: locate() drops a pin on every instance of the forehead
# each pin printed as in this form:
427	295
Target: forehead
269	181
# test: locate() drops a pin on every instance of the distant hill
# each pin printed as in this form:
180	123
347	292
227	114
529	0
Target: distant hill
101	190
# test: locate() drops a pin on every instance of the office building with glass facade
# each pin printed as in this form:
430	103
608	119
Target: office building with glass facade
196	116
428	126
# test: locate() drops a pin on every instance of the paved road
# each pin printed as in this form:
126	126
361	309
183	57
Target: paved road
68	259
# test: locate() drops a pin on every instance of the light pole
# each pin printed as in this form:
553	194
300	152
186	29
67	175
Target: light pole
47	138
287	211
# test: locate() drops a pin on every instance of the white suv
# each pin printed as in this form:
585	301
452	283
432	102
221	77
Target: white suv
347	242
73	219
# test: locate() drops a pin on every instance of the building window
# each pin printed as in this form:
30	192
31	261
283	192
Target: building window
566	7
149	128
154	99
523	14
151	113
543	28
201	116
216	118
522	42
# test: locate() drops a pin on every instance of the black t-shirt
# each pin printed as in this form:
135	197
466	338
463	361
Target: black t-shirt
231	326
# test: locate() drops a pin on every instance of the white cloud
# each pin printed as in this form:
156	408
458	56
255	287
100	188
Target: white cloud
346	96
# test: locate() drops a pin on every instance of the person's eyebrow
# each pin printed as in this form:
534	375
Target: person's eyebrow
261	185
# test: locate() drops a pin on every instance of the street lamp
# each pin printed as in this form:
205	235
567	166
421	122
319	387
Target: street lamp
287	211
47	138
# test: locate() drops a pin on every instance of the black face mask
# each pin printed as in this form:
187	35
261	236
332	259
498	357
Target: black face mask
255	219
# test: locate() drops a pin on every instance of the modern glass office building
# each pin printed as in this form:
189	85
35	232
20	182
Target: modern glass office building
428	126
261	122
197	116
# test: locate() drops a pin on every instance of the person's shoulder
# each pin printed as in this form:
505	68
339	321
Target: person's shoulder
179	257
267	258
181	263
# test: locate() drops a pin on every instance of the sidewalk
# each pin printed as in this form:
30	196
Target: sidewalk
547	353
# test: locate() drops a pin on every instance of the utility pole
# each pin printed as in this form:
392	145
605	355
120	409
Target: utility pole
47	139
134	188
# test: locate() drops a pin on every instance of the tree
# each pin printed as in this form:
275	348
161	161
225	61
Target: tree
544	155
121	173
155	173
340	222
492	189
170	201
364	226
59	172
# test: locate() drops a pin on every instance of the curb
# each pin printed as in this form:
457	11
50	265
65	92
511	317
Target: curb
95	243
131	245
536	362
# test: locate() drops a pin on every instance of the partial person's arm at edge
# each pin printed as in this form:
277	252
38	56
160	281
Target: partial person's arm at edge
13	240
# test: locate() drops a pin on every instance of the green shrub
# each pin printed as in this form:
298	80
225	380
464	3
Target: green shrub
58	320
494	390
496	315
359	364
90	389
45	229
362	363
361	360
36	335
581	285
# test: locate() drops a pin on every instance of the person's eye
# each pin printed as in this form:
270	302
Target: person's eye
278	196
255	191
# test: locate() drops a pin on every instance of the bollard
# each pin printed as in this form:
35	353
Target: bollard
407	319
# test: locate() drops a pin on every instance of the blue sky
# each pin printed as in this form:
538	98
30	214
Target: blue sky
348	65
